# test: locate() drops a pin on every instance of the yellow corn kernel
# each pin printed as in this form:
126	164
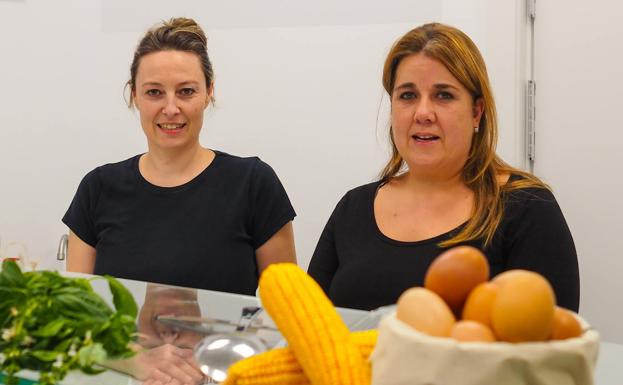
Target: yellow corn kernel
280	367
274	367
314	330
365	341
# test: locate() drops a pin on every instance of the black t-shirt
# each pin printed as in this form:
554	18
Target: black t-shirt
202	234
359	267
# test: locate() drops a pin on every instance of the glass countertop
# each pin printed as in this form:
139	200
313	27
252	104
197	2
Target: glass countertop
183	317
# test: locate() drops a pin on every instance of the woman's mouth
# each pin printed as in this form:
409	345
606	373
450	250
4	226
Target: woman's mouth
425	138
171	129
171	126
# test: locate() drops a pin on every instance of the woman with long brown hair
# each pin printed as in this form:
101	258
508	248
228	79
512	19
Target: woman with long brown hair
443	186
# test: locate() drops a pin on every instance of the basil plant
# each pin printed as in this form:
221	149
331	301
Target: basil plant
53	324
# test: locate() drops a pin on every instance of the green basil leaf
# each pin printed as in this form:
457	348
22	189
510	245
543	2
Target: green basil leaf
64	345
50	329
11	274
45	355
122	298
91	370
65	332
58	312
81	309
7	290
89	297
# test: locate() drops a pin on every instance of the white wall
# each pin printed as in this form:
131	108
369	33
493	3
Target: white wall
579	134
302	90
297	83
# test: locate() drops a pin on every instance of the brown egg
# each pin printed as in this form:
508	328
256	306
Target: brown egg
425	311
471	331
455	272
502	278
566	325
523	309
479	303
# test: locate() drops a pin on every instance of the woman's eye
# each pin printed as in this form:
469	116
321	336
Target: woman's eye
153	92
408	95
187	91
445	95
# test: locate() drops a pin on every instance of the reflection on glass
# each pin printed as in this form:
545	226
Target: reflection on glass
161	303
172	315
217	352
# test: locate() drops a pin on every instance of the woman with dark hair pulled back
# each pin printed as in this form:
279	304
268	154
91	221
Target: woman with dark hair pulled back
179	214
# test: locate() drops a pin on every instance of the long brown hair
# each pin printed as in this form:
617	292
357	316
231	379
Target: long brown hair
179	34
458	53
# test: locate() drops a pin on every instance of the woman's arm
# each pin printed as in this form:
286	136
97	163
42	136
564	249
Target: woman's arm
324	261
80	255
279	248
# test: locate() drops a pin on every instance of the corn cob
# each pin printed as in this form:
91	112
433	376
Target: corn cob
280	367
314	330
274	367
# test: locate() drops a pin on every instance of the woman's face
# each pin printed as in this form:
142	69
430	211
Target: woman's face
171	96
433	117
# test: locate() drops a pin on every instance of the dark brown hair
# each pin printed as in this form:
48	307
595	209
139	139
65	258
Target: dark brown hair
180	34
458	53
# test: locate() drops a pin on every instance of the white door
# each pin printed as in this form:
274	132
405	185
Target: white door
579	135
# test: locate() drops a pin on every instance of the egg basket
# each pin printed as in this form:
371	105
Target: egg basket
404	356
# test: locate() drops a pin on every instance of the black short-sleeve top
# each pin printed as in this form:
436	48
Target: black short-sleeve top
201	234
359	267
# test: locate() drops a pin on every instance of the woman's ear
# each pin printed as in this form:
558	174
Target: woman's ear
479	107
134	104
210	95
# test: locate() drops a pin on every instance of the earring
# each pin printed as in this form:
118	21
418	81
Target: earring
476	130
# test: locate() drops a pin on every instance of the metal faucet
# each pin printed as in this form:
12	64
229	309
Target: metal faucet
61	254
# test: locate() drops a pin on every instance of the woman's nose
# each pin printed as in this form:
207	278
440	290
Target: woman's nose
424	111
171	107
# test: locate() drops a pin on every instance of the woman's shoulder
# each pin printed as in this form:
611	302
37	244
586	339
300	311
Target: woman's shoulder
112	171
520	188
243	169
531	208
120	166
360	195
355	205
365	190
529	200
235	162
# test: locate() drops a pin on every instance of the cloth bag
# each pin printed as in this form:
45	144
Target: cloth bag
404	356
